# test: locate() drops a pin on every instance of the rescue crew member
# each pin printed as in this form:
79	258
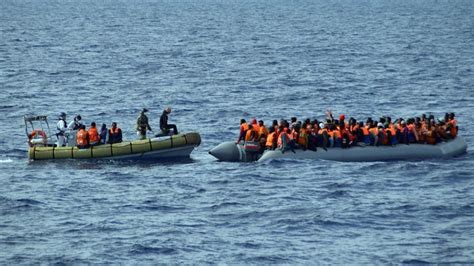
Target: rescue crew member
142	124
94	138
115	134
164	126
82	138
76	123
61	128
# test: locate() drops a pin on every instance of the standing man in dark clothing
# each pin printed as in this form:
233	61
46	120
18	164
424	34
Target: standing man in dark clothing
164	126
115	134
142	124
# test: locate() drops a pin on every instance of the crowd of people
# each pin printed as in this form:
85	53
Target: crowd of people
85	138
342	133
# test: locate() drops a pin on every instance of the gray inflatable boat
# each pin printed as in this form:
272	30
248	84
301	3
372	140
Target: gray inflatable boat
232	152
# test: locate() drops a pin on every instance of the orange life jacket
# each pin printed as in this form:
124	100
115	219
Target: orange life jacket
303	137
384	136
244	127
93	135
270	139
81	138
263	132
365	131
251	135
374	131
280	141
430	136
454	131
392	130
336	134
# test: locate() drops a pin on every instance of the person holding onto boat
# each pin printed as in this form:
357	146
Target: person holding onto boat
164	126
61	128
243	130
142	124
82	138
94	138
115	134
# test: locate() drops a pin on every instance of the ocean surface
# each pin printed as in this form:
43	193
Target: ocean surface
215	62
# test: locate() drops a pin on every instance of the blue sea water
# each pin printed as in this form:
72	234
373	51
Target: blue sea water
215	62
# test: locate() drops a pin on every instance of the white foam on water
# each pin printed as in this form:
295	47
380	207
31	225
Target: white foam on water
6	161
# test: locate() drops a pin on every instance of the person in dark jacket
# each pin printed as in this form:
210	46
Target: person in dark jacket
164	126
115	134
103	134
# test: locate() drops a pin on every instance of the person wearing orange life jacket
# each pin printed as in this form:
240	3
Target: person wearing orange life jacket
323	136
285	142
302	139
430	134
374	133
365	134
243	130
335	134
381	137
452	126
402	132
82	138
271	140
115	134
412	137
251	134
255	125
391	132
441	131
94	138
262	130
420	131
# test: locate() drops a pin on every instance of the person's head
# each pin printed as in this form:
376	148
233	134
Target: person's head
114	124
361	124
250	126
403	123
62	115
83	127
242	121
342	117
380	125
93	124
168	110
451	116
389	119
293	119
104	126
254	121
383	119
275	123
78	118
144	110
271	130
260	122
321	125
